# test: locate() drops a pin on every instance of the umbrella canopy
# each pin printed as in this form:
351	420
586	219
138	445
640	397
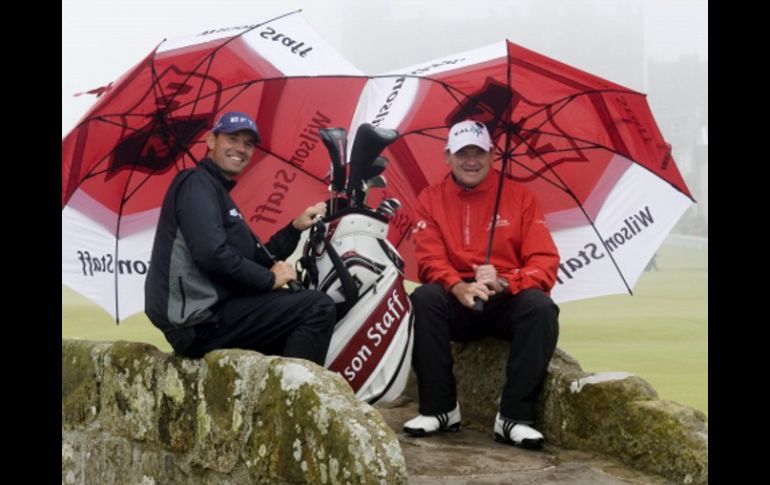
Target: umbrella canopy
152	122
589	149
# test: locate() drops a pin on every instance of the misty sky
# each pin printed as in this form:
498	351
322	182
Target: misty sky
101	39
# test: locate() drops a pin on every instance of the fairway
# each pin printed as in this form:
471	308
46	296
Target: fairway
660	333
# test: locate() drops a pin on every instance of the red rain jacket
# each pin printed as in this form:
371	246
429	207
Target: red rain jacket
452	233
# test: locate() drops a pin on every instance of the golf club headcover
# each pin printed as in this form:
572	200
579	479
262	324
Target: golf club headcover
367	145
336	142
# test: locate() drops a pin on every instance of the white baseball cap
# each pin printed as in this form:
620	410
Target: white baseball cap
468	132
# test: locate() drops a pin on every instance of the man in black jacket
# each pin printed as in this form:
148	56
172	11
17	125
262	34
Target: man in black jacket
212	283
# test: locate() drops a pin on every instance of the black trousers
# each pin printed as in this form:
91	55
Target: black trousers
528	320
275	323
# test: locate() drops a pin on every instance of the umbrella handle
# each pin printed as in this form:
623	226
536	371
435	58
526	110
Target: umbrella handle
478	305
294	286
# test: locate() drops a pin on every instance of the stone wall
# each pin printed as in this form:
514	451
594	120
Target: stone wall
134	415
615	413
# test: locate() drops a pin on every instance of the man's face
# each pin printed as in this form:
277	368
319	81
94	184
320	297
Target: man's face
231	152
470	165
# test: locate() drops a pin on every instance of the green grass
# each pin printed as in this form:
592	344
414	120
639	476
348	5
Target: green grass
82	319
660	333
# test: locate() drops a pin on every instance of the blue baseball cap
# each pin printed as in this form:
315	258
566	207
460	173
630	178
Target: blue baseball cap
233	121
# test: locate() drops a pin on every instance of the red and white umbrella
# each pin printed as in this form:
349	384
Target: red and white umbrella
152	122
588	148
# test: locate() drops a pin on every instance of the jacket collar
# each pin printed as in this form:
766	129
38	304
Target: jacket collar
211	168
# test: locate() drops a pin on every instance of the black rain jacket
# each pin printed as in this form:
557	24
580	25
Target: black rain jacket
204	252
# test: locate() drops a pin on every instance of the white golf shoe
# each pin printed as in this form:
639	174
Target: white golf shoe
518	434
427	425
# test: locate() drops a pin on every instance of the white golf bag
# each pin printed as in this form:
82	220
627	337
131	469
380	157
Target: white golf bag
350	258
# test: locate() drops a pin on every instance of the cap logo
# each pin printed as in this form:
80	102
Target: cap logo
476	129
235	121
240	119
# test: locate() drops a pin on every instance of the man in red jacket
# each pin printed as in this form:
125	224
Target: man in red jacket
451	238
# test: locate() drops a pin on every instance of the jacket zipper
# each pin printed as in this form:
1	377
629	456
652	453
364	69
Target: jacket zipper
184	298
467	224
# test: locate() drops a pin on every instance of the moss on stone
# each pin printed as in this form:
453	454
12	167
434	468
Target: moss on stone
667	438
133	358
233	417
225	384
598	411
178	405
272	433
218	390
80	386
307	437
129	402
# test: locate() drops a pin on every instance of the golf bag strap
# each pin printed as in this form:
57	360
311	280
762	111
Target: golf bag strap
349	288
308	261
309	271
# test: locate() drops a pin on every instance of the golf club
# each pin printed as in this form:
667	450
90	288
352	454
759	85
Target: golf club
378	181
335	140
368	144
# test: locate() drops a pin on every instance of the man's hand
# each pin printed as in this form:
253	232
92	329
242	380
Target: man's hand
306	219
284	272
465	292
487	274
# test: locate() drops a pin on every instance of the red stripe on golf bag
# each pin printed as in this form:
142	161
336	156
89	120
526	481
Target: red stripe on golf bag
364	351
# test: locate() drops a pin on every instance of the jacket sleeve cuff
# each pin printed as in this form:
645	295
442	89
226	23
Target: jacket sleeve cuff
449	282
290	229
514	280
